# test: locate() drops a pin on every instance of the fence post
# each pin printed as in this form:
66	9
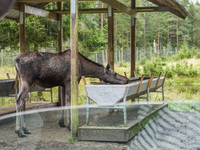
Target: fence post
122	55
164	51
1	58
150	53
175	50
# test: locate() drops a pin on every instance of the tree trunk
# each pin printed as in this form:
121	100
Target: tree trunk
177	32
158	32
168	28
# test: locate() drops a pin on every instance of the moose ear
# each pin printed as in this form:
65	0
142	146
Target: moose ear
107	67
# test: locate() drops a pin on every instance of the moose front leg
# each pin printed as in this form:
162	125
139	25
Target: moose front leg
68	102
65	100
61	122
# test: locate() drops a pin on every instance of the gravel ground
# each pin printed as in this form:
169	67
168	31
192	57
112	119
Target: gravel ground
46	134
171	131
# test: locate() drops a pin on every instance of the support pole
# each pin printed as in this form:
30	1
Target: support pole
133	45
60	42
22	40
22	27
74	65
111	37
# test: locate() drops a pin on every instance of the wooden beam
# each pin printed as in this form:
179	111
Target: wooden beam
119	6
111	37
40	12
60	42
74	66
22	27
105	10
177	6
133	44
46	1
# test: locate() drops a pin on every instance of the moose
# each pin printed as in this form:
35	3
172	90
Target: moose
47	70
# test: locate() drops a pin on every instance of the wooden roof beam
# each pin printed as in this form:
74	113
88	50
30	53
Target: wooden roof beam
46	1
119	6
37	11
105	10
40	12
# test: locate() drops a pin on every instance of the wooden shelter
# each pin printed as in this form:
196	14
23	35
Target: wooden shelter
24	8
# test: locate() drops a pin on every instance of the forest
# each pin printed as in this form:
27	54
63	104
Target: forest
156	32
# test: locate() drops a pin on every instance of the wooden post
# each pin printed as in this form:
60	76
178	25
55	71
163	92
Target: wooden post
111	37
8	75
177	32
22	41
163	50
176	50
103	57
60	42
96	57
22	28
133	44
74	66
1	58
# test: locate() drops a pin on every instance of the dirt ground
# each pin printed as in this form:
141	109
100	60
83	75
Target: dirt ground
47	134
172	130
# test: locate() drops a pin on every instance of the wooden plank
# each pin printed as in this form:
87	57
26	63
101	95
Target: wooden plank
74	66
164	78
40	12
158	79
150	81
140	84
133	43
111	37
119	6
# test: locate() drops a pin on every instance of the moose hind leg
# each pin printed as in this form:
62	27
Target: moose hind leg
21	129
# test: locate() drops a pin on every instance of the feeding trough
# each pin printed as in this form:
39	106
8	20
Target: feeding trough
109	95
7	87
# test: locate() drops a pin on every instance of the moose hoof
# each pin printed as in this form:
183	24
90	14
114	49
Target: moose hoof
61	123
20	133
26	131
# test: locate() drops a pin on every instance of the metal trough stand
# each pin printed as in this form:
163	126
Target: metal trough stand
109	95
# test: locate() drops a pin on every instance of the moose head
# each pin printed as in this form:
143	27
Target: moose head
113	77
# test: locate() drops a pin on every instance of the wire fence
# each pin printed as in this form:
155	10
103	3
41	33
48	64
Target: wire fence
124	54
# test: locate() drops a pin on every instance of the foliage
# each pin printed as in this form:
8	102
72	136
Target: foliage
153	67
186	107
71	139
